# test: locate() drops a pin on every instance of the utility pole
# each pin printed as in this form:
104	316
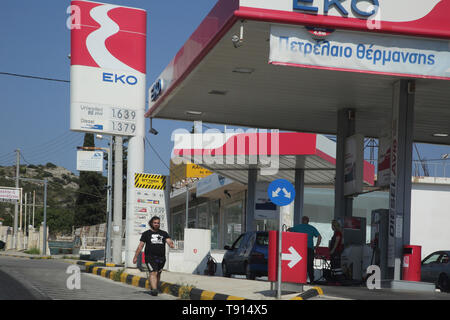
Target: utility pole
118	190
25	221
44	224
34	204
16	205
45	219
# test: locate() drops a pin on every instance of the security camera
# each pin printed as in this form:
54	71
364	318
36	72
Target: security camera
227	193
237	42
153	131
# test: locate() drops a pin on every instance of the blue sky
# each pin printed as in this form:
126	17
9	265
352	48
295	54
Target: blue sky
34	114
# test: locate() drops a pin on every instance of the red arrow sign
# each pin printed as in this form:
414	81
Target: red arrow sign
293	258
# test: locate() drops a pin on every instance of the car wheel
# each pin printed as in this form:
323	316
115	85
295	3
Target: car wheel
250	275
225	270
443	283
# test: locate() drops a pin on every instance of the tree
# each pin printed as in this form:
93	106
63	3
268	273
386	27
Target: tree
91	199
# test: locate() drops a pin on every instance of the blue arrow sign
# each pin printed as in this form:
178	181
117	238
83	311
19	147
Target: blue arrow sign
281	192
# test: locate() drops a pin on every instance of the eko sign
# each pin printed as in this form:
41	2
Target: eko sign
108	67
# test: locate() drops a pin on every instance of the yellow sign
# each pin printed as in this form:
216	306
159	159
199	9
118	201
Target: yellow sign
195	171
150	181
190	170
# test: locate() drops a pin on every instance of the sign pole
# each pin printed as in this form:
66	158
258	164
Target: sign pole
279	257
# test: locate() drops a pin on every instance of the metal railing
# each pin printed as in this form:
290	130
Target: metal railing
435	168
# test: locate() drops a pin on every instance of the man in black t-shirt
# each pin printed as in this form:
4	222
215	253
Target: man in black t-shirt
155	252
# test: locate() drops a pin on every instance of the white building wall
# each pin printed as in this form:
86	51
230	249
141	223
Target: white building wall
430	216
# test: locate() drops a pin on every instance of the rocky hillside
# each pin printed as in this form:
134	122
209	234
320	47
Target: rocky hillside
62	186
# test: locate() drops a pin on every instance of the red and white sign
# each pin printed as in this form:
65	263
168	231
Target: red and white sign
9	194
293	257
108	67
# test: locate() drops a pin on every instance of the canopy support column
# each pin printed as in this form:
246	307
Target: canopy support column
343	206
401	172
251	190
299	195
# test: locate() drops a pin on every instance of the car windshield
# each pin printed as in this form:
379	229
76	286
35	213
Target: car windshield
433	258
262	239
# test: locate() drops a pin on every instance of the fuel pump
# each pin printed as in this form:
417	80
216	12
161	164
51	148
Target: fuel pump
379	239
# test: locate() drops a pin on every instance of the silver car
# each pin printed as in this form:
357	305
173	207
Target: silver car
436	269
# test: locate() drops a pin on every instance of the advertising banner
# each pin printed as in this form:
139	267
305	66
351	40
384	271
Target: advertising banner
354	164
150	200
384	161
360	52
211	183
90	161
108	68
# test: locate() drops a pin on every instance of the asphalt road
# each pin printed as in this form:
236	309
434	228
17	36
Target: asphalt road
26	279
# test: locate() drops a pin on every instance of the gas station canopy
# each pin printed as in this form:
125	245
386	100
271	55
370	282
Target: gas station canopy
219	80
315	154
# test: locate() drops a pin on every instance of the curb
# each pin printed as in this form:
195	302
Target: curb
176	290
27	257
310	293
97	264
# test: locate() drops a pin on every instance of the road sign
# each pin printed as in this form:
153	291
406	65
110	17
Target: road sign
149	181
281	192
293	257
90	161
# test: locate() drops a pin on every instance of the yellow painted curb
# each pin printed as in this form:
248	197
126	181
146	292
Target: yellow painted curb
207	295
235	298
319	290
135	281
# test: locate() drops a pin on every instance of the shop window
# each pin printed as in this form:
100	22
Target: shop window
233	222
178	224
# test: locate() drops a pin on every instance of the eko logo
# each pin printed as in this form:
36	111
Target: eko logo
109	37
123	79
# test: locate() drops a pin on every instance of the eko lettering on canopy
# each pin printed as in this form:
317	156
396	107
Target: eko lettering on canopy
108	67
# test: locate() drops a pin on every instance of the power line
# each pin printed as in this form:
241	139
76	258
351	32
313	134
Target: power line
32	77
160	158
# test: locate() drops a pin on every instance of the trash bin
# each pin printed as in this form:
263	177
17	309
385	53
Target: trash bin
411	263
2	245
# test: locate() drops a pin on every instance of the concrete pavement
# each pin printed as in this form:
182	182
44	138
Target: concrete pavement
202	287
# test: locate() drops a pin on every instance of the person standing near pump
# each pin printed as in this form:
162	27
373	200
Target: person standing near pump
155	252
312	232
336	247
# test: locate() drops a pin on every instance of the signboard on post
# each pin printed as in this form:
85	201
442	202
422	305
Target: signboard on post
108	68
150	196
9	194
90	161
264	208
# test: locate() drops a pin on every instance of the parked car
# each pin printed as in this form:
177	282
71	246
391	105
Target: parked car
247	256
436	269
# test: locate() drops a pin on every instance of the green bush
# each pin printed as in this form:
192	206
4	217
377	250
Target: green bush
117	274
33	250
